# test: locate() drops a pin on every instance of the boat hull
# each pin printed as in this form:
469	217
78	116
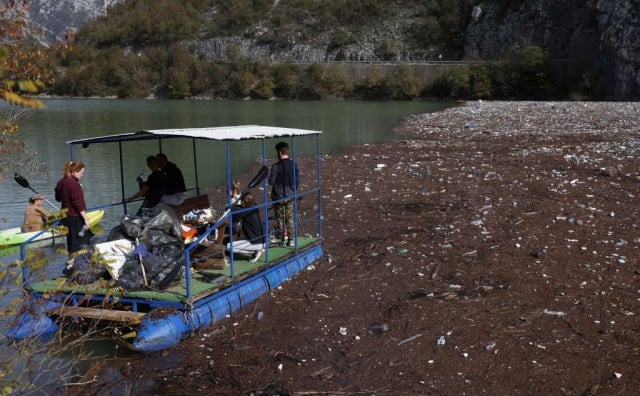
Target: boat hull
155	334
161	331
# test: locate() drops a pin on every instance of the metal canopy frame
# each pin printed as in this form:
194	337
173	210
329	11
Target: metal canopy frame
228	135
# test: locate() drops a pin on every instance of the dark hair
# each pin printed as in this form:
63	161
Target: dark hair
282	147
248	200
151	159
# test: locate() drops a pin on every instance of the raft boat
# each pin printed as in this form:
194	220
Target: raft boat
150	320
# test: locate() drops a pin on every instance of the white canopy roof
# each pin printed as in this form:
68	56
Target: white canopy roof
240	132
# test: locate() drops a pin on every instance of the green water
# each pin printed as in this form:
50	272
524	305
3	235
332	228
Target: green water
343	124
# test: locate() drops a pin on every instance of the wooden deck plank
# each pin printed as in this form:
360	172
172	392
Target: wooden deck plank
98	313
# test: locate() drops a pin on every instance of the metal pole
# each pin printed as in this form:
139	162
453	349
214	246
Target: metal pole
318	186
122	178
295	195
195	167
230	221
265	201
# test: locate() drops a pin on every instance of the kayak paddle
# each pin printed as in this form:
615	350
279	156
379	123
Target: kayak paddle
25	183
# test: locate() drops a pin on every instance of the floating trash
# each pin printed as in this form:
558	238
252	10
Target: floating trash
380	328
554	313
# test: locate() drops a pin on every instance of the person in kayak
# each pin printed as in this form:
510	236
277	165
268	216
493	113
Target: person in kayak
35	215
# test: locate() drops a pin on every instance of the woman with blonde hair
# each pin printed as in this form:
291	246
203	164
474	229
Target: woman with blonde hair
69	194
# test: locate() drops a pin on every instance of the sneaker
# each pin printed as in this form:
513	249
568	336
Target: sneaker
289	243
68	269
256	256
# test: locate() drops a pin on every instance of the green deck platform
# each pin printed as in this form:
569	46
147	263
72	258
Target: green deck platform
204	282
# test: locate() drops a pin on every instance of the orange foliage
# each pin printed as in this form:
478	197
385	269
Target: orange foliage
25	65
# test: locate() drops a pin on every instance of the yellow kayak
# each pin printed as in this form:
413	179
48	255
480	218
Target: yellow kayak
15	236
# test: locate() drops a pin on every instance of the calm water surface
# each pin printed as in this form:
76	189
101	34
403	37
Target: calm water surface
343	124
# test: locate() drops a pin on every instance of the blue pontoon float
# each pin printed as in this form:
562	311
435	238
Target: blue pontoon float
152	320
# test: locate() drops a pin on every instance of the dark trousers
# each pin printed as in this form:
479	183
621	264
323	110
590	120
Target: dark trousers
75	242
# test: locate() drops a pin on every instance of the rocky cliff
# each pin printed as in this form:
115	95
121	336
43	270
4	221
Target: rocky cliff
57	16
596	40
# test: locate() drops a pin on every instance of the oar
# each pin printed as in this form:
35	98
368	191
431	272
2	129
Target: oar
24	183
257	179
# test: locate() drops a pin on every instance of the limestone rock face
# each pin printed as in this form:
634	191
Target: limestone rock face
600	39
597	41
56	16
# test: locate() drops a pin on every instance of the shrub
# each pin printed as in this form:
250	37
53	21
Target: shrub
264	88
400	83
287	78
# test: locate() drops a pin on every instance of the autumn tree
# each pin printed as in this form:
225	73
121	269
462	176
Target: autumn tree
25	68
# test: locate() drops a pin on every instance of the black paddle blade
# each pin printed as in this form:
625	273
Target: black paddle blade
21	180
257	179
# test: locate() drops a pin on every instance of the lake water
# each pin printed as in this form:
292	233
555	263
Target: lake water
343	124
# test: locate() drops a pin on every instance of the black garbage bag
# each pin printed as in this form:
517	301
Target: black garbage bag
87	267
159	250
118	232
132	226
165	263
155	237
162	217
162	265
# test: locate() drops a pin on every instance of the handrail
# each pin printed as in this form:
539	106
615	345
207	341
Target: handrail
229	216
23	248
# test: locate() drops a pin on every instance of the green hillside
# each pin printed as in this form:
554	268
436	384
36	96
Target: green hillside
264	49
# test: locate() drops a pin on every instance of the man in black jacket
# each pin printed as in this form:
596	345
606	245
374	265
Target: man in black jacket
174	186
284	179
